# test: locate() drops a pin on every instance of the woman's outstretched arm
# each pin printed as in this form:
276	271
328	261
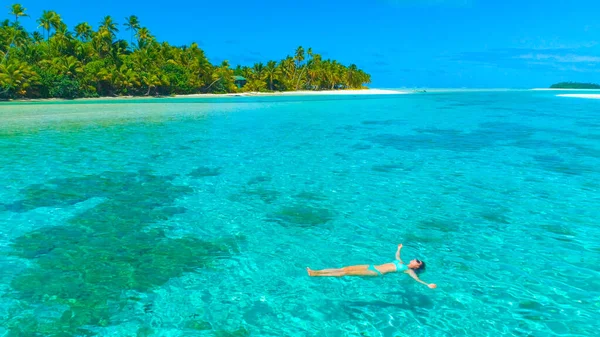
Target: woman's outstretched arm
414	275
398	254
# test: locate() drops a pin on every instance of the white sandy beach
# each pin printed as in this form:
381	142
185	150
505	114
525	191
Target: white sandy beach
558	89
550	89
340	92
241	94
304	93
591	96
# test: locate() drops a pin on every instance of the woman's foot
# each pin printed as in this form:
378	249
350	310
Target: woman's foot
310	271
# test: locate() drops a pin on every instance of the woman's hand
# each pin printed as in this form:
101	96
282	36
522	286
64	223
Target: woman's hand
432	285
398	253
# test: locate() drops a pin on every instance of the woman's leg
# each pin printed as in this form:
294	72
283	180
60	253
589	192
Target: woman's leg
325	272
329	271
360	270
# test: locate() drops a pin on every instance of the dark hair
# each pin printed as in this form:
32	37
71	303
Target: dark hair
421	268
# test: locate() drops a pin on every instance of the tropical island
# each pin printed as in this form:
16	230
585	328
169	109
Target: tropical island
63	63
575	85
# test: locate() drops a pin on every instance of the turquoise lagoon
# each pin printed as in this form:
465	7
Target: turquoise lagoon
197	217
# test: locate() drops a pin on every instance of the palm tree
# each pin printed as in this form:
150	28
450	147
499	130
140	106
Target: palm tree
69	66
127	79
49	19
327	74
83	31
37	37
144	36
46	21
299	57
255	76
271	72
12	35
16	77
18	11
255	85
355	77
117	50
247	72
224	76
33	53
336	74
83	51
259	71
152	80
109	25
314	70
62	37
133	24
363	78
287	69
105	35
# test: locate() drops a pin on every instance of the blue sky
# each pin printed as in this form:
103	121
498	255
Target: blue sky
402	43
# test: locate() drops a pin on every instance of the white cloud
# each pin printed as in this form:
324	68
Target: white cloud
567	58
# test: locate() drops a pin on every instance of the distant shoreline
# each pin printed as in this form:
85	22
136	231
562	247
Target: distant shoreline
350	92
591	96
563	89
299	93
307	93
575	85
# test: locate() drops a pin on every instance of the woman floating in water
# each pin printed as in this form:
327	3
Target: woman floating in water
415	266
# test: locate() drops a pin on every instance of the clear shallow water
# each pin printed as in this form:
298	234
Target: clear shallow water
198	219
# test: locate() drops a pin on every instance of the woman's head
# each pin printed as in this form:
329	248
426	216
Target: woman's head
417	265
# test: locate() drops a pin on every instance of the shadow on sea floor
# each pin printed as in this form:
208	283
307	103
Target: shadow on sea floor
101	253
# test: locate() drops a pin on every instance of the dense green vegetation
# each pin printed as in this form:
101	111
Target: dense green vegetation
89	63
575	85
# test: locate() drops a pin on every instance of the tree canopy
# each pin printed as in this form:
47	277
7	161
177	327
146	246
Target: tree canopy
575	85
83	62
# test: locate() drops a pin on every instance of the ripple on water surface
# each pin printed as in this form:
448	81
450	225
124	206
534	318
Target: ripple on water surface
198	219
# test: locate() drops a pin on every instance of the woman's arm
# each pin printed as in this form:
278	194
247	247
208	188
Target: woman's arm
414	275
398	254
